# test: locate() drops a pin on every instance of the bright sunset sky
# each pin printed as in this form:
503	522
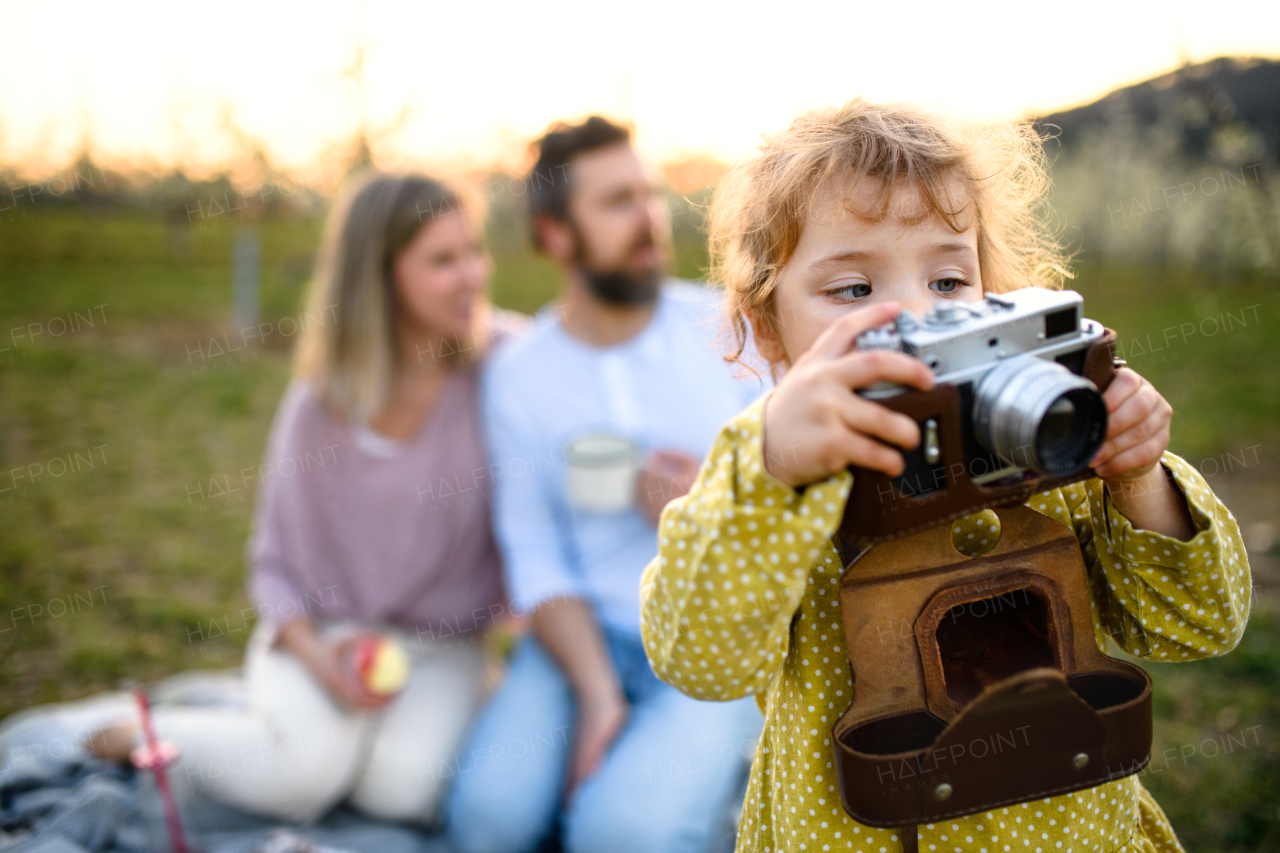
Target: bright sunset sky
153	81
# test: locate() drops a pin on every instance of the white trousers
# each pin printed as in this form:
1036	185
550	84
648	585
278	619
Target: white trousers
295	753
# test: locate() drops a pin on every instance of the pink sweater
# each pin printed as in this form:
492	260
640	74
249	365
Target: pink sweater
342	531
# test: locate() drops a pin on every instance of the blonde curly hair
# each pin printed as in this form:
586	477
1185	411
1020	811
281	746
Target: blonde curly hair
760	206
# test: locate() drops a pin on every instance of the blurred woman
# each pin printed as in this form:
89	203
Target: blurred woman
372	521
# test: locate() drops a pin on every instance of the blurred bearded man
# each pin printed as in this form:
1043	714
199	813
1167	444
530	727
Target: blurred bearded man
595	419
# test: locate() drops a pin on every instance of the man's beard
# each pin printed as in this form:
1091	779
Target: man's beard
619	285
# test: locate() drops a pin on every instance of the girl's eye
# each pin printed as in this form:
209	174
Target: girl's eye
856	290
948	285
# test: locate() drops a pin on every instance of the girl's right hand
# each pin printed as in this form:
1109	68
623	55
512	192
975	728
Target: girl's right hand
814	423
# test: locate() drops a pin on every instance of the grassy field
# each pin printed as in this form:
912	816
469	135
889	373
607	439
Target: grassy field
122	443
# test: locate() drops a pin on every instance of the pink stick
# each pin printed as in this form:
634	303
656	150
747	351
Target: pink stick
162	777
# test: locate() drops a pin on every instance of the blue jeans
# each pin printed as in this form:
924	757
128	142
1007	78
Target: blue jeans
666	784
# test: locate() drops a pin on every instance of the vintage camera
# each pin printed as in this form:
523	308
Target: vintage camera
1017	407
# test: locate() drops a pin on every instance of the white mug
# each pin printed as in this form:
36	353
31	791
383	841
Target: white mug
601	472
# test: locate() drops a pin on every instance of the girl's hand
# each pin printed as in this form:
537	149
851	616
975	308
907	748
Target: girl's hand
1138	420
814	423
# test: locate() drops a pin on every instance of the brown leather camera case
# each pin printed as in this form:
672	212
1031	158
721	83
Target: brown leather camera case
978	682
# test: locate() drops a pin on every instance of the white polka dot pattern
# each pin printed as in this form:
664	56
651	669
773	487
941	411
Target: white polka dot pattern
742	601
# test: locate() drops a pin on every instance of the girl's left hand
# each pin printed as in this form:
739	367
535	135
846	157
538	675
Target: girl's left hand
1138	420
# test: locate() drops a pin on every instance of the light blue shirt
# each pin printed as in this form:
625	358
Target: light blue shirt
667	388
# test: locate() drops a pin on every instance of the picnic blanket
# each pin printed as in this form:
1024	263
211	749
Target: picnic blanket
56	797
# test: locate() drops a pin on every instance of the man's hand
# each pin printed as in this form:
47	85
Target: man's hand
568	630
600	720
667	475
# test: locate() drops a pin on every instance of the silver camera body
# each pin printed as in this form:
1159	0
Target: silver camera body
1017	358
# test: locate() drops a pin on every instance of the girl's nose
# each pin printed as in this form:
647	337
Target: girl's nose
916	305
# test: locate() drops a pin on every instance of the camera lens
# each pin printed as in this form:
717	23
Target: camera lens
1037	414
1056	426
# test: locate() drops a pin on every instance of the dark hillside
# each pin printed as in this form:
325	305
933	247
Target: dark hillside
1195	99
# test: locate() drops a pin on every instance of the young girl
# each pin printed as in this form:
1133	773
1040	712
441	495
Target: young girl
840	221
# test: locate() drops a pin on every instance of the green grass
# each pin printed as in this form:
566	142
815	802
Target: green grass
138	536
1215	765
139	533
1206	343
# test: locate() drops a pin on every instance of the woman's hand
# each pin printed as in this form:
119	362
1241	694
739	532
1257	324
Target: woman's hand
814	423
329	662
343	683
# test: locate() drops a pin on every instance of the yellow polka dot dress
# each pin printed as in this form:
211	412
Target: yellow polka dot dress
742	601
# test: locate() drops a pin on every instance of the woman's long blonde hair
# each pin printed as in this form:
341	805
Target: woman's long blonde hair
351	351
761	206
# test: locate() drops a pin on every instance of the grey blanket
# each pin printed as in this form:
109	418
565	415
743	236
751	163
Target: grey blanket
55	797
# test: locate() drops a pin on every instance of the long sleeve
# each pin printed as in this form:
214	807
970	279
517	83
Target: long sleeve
735	556
539	562
1158	597
270	582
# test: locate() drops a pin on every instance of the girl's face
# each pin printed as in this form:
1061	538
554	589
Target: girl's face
440	277
844	261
